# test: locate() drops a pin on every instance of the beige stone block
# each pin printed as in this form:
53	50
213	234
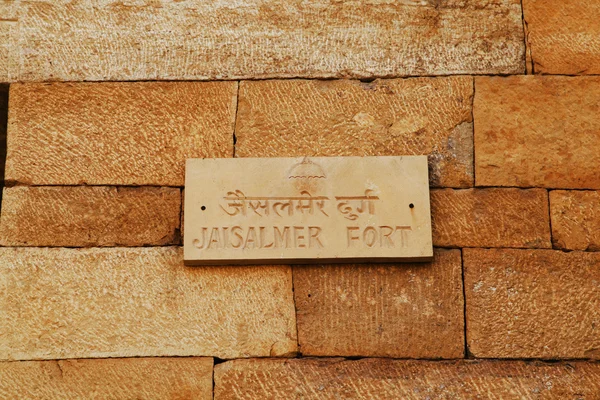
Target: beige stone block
136	302
537	131
116	133
402	311
405	379
563	37
307	210
504	217
532	303
196	40
575	219
125	378
420	116
83	216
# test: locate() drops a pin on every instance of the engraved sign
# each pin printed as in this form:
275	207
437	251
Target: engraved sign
307	210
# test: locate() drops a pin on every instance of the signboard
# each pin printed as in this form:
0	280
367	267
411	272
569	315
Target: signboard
307	210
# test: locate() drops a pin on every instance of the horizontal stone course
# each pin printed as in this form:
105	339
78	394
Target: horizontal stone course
125	378
403	311
563	37
532	303
575	219
537	131
116	133
196	40
139	302
405	379
430	116
84	216
493	217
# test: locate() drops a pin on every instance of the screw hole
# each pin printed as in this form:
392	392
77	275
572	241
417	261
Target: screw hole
203	208
411	205
309	295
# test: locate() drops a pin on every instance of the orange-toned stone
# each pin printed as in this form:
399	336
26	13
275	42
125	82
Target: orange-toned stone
197	39
80	216
116	133
3	121
404	311
575	219
405	379
504	217
563	36
532	303
125	378
421	116
537	131
139	302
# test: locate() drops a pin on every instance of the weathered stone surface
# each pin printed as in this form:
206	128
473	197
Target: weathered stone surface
125	378
537	131
532	303
119	302
116	133
80	216
402	379
504	217
575	219
295	118
87	40
563	37
404	311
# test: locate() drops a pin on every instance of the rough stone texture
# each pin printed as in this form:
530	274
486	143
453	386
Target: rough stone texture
417	116
126	378
116	133
504	217
532	303
404	311
401	379
80	216
195	39
3	122
119	302
575	219
563	36
537	131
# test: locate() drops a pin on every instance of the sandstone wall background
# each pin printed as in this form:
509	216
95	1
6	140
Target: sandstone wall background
102	101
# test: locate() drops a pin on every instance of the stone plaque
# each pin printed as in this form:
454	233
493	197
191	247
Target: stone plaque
307	210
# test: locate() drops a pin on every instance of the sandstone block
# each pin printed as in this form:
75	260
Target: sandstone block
404	379
575	219
563	37
90	41
532	303
505	217
120	302
3	121
537	131
116	133
421	116
82	216
404	311
125	378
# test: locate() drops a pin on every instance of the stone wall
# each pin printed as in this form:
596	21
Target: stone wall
108	99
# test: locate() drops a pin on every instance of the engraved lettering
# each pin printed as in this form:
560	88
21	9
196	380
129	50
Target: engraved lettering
299	236
351	237
236	202
200	244
236	232
370	236
282	237
313	237
261	235
347	205
214	238
385	236
250	238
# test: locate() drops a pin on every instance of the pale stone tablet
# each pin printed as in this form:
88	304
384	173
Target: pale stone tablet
307	210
